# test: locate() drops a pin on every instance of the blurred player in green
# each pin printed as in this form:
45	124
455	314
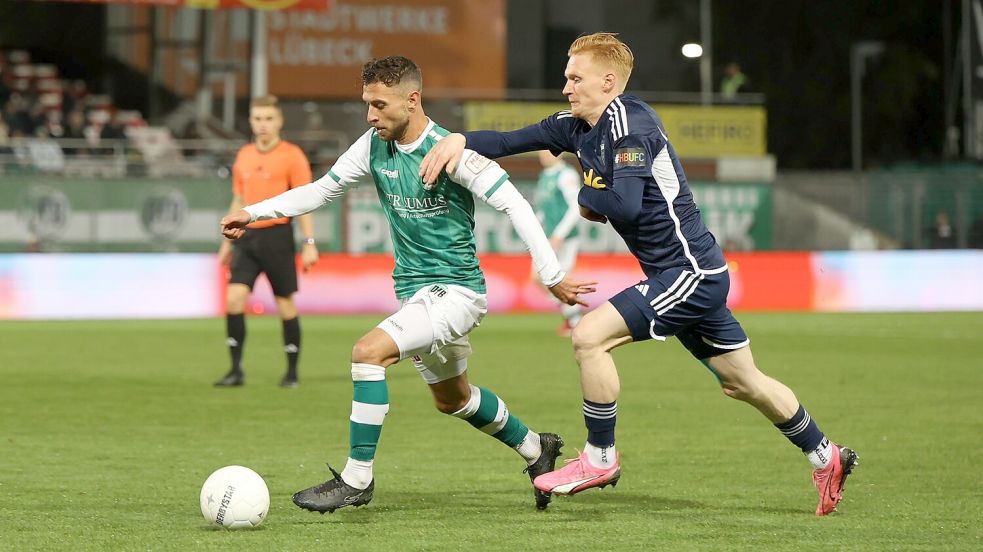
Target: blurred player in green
559	213
439	283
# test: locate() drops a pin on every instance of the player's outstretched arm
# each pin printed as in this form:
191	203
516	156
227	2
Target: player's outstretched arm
234	224
444	156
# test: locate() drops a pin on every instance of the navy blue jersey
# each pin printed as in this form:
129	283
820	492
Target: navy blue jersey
632	176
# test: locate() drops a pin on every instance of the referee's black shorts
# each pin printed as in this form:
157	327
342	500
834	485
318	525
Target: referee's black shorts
268	250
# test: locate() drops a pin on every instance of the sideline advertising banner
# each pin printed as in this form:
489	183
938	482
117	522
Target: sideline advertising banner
115	286
168	214
694	131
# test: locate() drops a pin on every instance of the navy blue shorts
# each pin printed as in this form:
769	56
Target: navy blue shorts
692	307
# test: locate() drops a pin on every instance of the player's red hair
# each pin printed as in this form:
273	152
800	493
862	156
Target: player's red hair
607	49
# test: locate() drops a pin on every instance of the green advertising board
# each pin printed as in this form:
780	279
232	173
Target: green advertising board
89	214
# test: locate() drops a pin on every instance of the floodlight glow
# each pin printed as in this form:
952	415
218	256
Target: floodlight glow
692	50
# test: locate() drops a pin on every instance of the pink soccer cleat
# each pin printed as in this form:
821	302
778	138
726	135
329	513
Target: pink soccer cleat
829	480
578	475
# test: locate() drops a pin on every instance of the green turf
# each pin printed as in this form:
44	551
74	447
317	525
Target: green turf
108	429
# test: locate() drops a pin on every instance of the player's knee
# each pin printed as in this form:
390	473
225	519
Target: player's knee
236	298
365	351
449	405
585	340
734	390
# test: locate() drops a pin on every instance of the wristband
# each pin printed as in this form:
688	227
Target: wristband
309	241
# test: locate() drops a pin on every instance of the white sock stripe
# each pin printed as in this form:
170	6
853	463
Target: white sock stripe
600	414
595	410
372	414
500	419
367	372
470	407
799	427
794	429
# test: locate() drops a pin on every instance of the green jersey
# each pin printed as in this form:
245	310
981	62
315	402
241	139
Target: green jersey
556	201
432	230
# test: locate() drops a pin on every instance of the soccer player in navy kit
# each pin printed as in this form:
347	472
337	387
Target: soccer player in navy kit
634	181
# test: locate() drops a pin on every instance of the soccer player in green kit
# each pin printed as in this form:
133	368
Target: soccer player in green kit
557	208
437	277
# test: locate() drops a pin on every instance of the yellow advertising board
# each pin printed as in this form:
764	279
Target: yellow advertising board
694	130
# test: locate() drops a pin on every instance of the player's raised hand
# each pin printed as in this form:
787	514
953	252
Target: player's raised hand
445	155
234	224
569	292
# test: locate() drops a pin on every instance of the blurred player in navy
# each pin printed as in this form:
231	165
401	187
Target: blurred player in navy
633	180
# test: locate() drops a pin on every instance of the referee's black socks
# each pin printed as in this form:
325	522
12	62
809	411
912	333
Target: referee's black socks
291	344
235	331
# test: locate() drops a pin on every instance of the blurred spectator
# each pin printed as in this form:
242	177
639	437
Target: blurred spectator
75	124
75	128
4	139
38	118
114	129
942	235
976	233
734	82
4	87
17	117
75	93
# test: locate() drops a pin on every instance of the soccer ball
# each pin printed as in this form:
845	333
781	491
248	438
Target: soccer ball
235	497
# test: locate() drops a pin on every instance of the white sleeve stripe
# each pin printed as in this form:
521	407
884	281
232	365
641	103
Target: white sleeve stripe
624	116
615	127
619	119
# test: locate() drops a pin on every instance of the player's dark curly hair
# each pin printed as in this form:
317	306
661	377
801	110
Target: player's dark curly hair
391	71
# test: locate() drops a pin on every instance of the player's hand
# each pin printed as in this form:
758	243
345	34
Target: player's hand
569	292
234	224
444	156
309	256
225	253
592	216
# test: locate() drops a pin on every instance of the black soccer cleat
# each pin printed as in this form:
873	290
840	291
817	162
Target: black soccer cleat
234	378
289	381
333	494
551	444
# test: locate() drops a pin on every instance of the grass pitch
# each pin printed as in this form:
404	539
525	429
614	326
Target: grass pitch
108	429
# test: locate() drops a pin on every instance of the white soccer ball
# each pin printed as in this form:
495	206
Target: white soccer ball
235	497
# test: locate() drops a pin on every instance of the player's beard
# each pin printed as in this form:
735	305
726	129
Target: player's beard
398	131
